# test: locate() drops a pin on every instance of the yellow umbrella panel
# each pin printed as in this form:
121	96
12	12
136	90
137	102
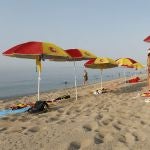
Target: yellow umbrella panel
138	66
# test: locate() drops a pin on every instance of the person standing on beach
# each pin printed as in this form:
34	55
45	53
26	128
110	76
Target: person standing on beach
148	69
85	77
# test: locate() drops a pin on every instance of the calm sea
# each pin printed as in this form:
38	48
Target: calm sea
22	81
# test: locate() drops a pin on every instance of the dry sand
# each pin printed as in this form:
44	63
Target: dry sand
116	120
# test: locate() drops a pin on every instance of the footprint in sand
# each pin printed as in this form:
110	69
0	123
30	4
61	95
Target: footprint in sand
23	119
99	117
3	129
61	121
77	110
88	106
98	138
87	128
34	129
107	121
13	119
74	145
5	118
116	126
136	138
138	117
142	122
61	110
68	113
72	120
23	128
122	139
52	119
119	122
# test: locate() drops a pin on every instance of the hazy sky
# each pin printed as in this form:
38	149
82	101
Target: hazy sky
111	28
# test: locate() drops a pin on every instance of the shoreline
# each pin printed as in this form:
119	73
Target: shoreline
57	90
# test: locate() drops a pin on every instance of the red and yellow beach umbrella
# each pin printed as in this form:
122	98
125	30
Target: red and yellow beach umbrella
129	63
126	62
38	51
101	63
77	55
147	39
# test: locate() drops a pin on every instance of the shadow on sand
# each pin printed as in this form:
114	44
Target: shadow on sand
129	88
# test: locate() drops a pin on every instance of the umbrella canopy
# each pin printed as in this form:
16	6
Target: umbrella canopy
147	39
32	50
129	63
38	51
126	62
138	66
101	63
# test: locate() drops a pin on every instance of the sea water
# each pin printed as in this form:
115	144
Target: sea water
20	81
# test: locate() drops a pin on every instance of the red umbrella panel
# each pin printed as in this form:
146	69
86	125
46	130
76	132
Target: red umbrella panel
147	39
80	54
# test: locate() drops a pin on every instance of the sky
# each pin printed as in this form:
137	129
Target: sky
107	28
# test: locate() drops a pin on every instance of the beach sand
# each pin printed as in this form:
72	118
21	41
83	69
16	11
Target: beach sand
116	120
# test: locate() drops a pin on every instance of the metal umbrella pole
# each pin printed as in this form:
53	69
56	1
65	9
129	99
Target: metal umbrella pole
101	78
39	79
75	81
125	78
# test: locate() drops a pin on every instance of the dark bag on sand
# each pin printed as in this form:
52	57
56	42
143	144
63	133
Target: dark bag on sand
62	97
39	106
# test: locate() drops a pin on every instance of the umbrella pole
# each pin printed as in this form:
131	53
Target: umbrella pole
125	79
101	78
39	78
136	73
75	80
